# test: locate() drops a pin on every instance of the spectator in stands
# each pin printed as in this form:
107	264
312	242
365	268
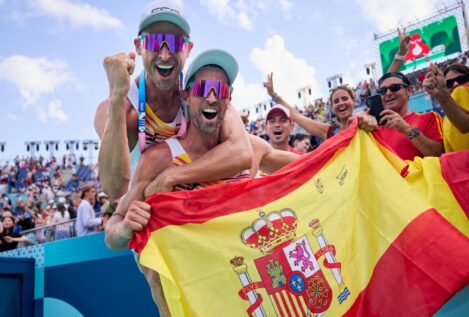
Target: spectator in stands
8	238
102	202
409	134
342	101
71	208
451	90
87	222
278	127
404	40
62	231
301	143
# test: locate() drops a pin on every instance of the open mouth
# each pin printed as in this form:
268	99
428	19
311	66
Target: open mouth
342	110
277	133
209	114
389	101
165	70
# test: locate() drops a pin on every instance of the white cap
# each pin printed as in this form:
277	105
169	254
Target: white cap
164	10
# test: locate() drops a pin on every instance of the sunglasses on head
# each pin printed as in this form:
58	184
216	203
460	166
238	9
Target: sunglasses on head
203	88
461	79
393	88
154	41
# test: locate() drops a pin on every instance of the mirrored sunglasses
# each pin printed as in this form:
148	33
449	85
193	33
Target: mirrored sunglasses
393	88
461	79
203	88
154	41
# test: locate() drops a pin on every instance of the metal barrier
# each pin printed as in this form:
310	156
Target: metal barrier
49	233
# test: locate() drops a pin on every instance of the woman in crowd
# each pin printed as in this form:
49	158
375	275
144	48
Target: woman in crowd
8	238
62	230
342	100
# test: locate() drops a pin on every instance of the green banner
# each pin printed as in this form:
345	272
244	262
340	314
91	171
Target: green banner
430	42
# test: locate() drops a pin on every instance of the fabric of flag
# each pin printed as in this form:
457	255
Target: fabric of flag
340	231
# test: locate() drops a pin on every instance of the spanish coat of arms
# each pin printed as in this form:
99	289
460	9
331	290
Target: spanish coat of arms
289	268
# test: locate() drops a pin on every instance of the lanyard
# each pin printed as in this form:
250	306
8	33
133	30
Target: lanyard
142	101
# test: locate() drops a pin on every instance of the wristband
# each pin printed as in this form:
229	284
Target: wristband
414	132
399	57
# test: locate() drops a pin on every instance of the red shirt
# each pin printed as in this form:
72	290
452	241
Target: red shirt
292	149
429	124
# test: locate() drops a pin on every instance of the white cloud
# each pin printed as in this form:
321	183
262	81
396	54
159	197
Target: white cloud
244	21
242	12
13	117
33	76
54	111
387	15
220	9
247	95
290	72
78	15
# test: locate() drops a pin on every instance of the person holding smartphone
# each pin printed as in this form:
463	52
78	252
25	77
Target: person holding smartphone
408	133
451	89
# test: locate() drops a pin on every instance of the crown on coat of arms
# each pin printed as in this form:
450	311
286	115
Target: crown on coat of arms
270	230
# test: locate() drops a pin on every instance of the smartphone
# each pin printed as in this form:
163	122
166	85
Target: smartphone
375	104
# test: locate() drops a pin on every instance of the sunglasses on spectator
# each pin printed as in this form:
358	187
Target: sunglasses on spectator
393	88
461	79
153	42
203	88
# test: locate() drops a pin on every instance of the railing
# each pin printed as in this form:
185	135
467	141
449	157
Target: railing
48	233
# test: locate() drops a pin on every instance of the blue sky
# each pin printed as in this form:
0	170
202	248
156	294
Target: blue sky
51	74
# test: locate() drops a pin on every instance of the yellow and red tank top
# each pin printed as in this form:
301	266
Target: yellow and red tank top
156	131
180	157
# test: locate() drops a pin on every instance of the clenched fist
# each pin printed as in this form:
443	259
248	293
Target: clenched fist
119	68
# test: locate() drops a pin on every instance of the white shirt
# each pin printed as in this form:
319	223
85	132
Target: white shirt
86	219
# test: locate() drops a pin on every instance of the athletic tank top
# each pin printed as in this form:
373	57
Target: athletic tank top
156	131
180	157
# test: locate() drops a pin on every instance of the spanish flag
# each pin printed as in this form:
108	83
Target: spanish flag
349	229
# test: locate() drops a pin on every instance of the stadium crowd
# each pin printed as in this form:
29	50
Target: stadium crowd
37	193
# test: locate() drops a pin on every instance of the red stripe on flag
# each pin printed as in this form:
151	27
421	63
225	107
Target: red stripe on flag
300	304
277	304
455	171
423	268
202	205
292	304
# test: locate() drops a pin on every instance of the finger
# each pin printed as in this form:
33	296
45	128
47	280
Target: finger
130	65
385	118
143	205
386	112
134	226
134	217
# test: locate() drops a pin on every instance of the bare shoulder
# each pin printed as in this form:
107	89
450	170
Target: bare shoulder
258	144
154	161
